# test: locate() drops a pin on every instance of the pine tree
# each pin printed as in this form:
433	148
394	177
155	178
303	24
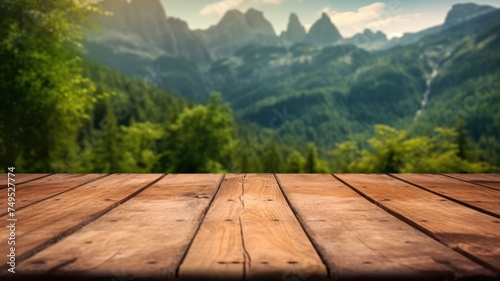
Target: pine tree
295	163
272	161
311	158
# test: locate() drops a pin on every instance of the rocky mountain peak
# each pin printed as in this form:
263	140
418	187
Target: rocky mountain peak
150	7
295	32
323	31
466	10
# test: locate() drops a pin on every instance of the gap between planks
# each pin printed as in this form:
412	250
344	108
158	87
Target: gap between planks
251	233
44	218
487	180
27	178
44	188
359	240
467	231
479	198
199	225
144	237
297	215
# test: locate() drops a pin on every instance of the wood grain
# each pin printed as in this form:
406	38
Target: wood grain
251	233
217	250
145	237
41	189
43	223
489	180
358	240
20	178
475	234
482	198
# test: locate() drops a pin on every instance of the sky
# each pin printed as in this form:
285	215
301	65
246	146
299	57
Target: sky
393	17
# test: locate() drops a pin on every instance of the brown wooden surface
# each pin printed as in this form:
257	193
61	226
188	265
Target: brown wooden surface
482	198
30	192
145	237
43	223
489	180
299	227
341	223
19	178
475	234
251	233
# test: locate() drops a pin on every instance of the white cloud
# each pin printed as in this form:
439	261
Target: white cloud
270	1
376	16
222	6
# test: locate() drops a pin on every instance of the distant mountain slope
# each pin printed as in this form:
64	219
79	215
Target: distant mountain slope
368	39
461	12
323	32
295	32
458	14
236	30
337	93
323	89
142	28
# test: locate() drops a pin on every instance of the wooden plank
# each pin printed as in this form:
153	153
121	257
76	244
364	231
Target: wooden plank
20	178
358	240
217	249
39	190
489	180
250	233
146	237
43	223
475	234
481	198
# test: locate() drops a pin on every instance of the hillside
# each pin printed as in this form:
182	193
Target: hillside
340	91
306	89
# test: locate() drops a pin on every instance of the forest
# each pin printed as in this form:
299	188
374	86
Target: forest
64	113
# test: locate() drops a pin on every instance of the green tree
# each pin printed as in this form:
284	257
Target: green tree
295	163
392	151
313	163
311	158
345	157
272	161
202	138
461	139
139	144
44	96
384	156
108	152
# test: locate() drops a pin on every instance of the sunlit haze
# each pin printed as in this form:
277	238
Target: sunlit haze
392	17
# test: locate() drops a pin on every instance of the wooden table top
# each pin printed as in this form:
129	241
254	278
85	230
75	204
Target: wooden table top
252	227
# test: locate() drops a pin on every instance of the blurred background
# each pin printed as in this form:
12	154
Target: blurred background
249	86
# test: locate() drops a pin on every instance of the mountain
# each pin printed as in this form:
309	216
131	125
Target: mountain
337	93
368	39
142	28
323	32
236	30
460	12
295	32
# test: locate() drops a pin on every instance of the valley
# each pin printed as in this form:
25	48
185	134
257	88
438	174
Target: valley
334	90
142	91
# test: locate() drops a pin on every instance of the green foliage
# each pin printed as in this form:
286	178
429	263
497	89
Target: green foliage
140	147
202	139
392	151
44	96
338	93
345	157
272	161
295	163
64	114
